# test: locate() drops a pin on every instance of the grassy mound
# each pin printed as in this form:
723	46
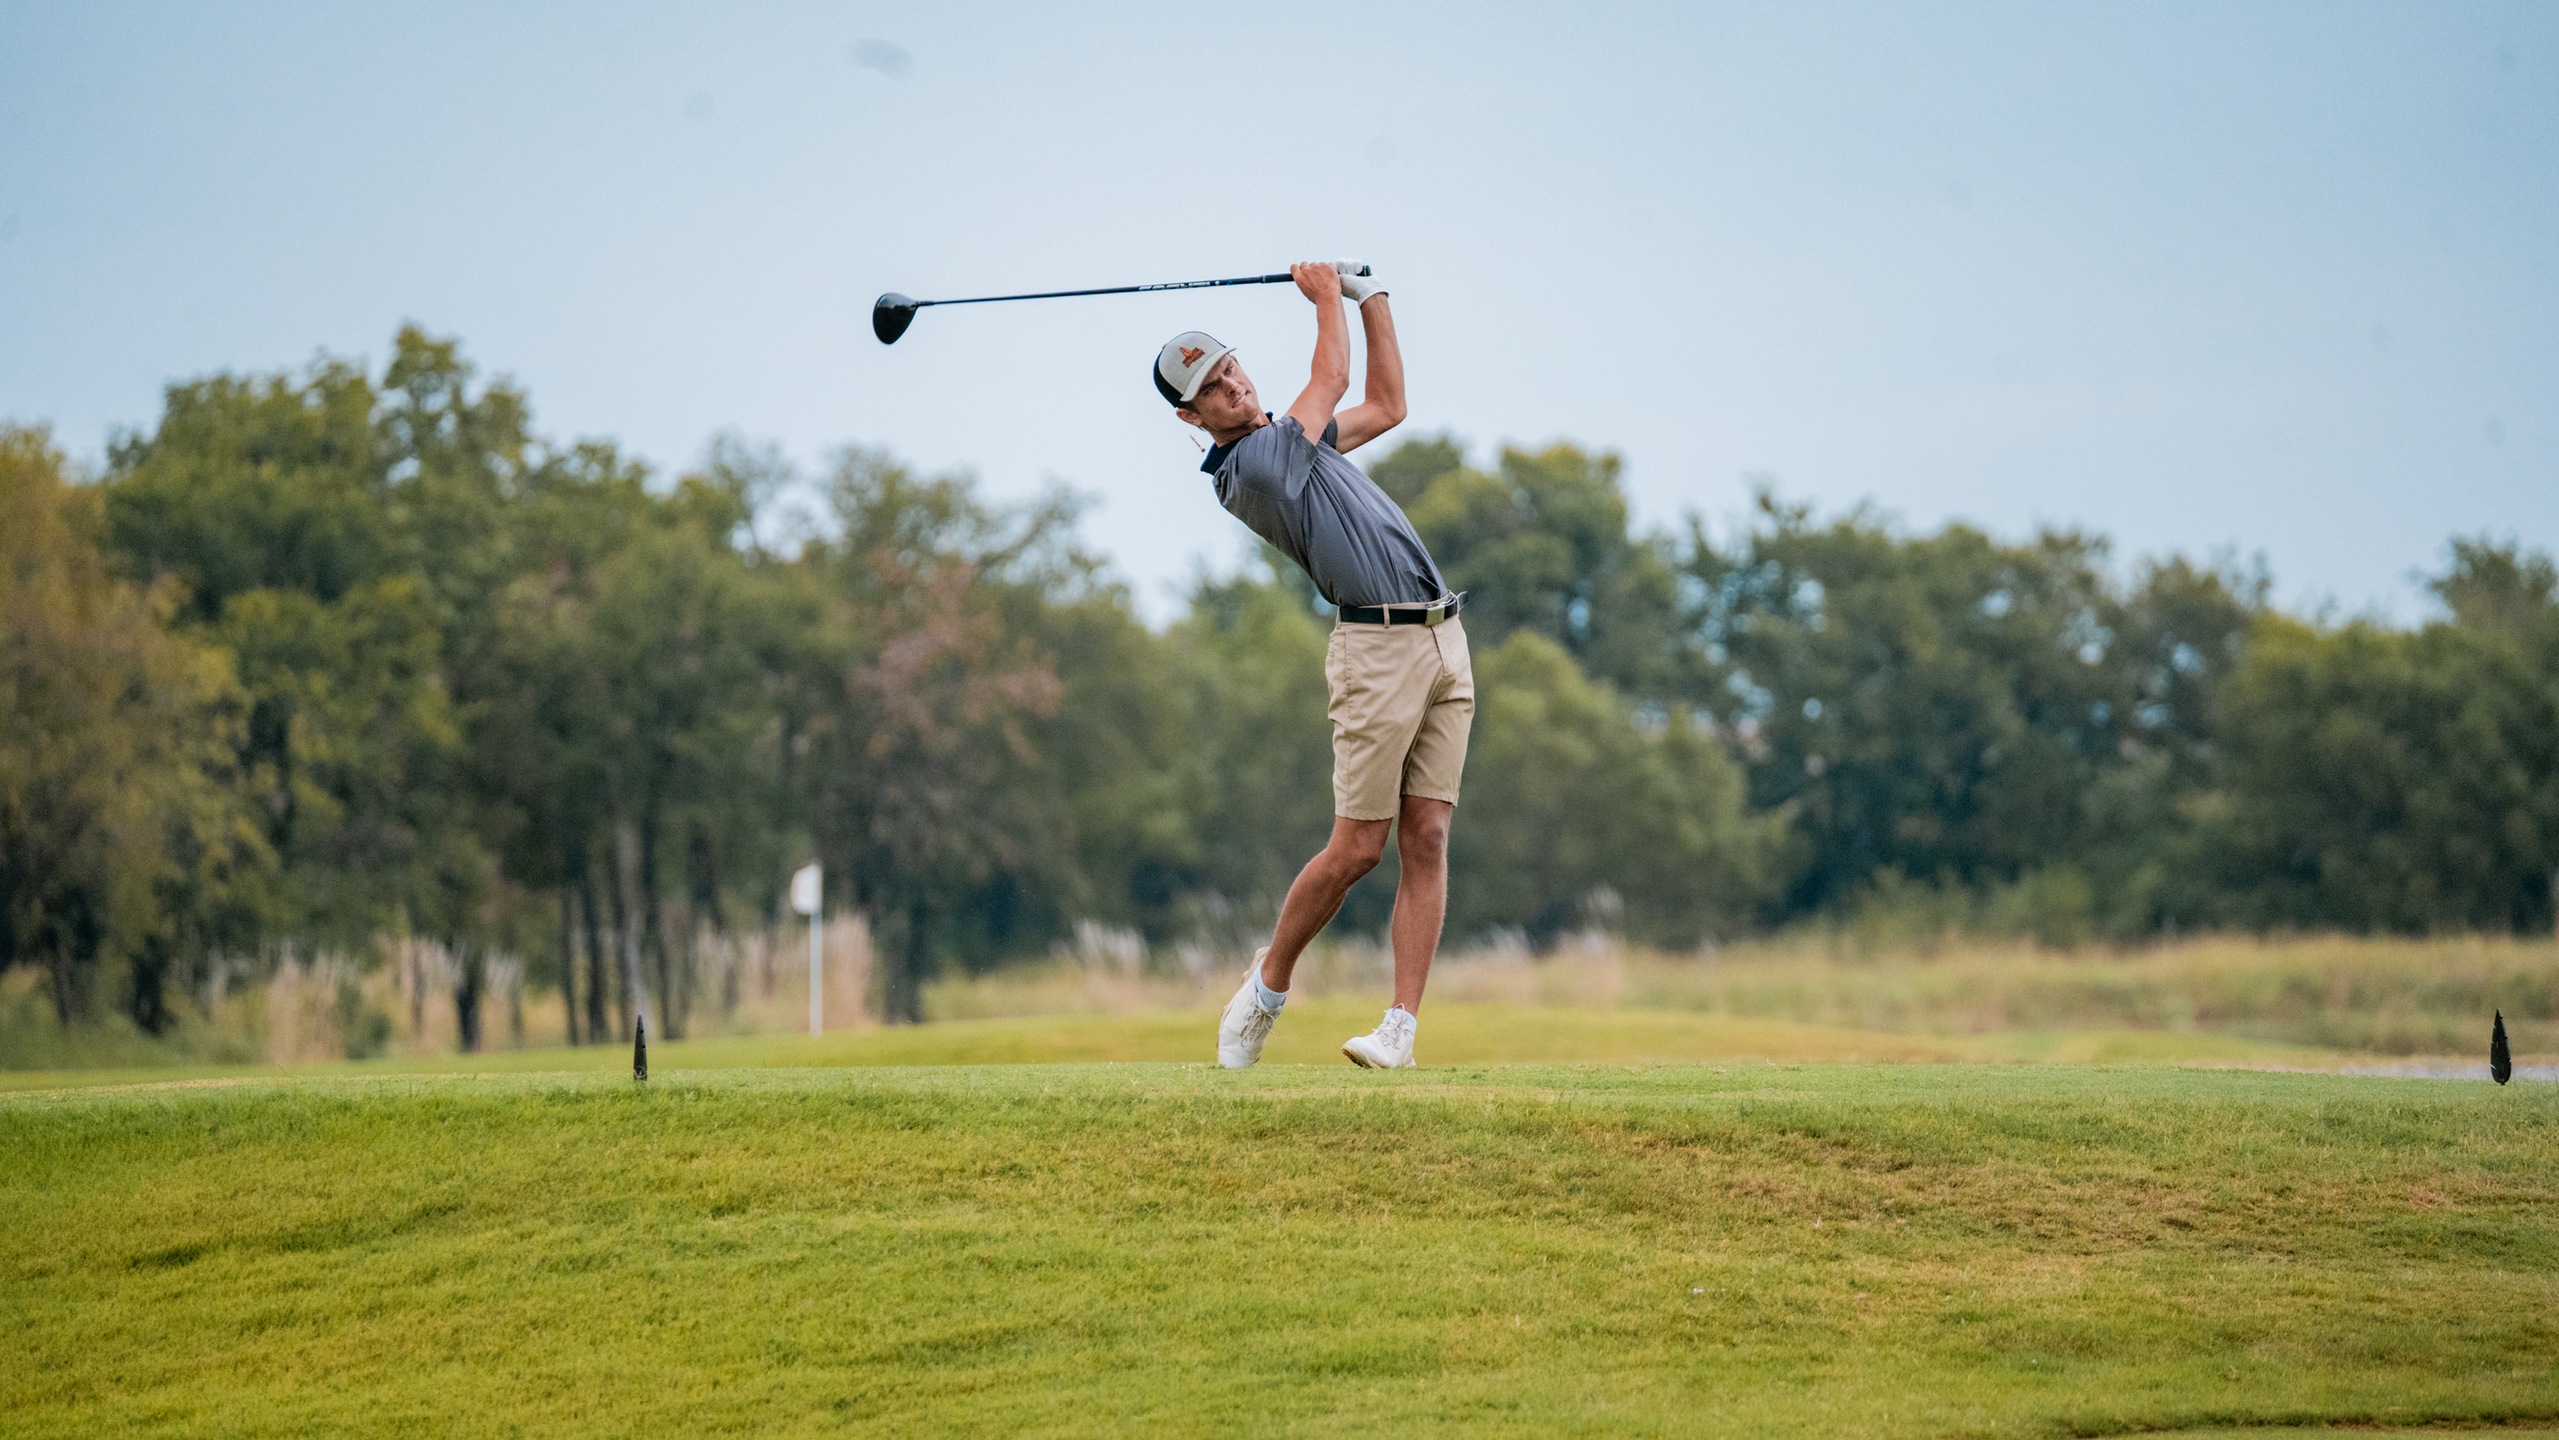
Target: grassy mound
1090	1249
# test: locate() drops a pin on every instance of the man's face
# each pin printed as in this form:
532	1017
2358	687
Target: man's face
1226	401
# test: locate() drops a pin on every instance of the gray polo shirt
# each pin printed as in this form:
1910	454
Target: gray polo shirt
1324	512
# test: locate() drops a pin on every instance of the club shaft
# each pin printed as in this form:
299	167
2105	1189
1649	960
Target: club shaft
1117	290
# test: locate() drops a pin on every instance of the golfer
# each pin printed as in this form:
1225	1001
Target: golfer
1403	693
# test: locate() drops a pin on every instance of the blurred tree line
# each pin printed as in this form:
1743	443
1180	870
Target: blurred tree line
330	658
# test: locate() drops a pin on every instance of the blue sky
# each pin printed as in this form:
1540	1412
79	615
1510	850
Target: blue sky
2277	279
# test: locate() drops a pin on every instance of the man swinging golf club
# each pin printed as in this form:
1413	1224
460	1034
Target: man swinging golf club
1403	692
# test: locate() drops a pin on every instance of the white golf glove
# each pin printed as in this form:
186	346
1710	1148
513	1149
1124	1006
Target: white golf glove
1357	283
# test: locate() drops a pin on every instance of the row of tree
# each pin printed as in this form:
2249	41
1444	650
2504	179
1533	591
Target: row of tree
325	658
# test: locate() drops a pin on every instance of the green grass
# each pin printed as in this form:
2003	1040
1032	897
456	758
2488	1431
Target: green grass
1740	1249
2301	1000
1456	1033
2376	996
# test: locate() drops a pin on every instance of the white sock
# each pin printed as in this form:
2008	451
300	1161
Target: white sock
1270	999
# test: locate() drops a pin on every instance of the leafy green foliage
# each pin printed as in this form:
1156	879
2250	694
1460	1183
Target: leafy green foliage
339	658
1258	764
121	842
1597	818
1960	711
2390	781
1542	543
930	793
250	484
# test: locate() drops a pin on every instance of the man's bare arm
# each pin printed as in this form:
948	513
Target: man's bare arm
1329	378
1382	408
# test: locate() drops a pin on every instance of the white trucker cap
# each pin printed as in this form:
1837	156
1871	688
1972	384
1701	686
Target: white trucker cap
1184	362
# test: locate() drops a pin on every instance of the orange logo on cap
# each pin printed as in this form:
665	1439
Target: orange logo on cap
1191	354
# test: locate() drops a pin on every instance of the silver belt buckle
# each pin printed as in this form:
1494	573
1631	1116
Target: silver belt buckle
1436	615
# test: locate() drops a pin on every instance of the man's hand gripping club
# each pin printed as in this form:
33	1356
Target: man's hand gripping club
1381	408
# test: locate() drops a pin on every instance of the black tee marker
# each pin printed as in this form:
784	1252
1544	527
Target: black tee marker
2501	1061
639	1047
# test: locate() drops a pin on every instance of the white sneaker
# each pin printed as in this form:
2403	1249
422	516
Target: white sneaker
1245	1025
1388	1047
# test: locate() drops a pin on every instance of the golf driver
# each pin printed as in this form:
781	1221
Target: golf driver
892	313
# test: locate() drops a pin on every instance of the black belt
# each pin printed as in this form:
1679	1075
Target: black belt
1431	614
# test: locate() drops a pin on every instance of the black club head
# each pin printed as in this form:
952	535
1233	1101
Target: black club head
890	315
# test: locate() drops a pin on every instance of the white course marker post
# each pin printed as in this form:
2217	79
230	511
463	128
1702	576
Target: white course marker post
808	897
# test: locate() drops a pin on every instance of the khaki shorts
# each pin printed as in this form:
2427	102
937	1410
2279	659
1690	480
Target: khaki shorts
1403	700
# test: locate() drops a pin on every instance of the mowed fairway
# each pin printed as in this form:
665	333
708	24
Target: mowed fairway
1746	1249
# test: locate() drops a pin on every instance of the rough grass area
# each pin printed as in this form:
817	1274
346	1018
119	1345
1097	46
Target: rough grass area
1749	1250
2282	999
1458	1032
2372	996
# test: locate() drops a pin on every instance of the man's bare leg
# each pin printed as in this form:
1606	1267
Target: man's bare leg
1421	894
1315	897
